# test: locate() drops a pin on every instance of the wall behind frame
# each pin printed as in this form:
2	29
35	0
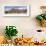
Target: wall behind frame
25	25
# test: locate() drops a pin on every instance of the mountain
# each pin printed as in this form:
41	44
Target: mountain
16	11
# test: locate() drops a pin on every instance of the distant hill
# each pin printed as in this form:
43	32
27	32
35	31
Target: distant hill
16	11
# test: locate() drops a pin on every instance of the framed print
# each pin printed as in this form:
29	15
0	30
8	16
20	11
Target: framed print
19	10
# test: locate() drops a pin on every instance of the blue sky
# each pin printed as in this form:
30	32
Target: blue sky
15	7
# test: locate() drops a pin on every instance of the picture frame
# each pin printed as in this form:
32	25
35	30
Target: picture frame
15	10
